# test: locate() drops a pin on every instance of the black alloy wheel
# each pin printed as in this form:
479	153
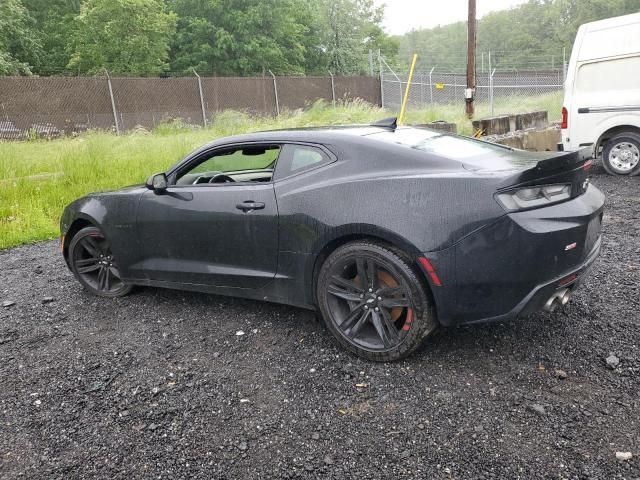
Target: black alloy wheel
93	264
373	302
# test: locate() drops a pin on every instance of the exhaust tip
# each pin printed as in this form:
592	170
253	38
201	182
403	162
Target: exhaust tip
559	298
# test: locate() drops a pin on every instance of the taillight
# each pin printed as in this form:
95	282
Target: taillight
534	197
565	119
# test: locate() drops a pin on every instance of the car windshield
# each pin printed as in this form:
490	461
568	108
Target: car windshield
430	141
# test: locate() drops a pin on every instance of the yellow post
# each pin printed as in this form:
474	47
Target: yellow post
406	92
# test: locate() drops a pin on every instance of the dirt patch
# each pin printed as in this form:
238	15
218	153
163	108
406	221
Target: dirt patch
159	385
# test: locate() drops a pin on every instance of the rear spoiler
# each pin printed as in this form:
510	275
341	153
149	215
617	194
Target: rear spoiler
565	160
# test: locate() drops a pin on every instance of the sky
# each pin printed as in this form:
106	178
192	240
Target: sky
404	15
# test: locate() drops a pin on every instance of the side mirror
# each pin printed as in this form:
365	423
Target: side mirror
157	182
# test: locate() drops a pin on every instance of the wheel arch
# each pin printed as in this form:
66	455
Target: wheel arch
375	235
80	222
612	132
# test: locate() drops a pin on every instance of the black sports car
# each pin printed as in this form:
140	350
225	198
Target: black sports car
387	231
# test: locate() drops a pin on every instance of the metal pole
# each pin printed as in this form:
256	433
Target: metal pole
394	74
482	65
491	89
333	89
564	65
381	79
113	103
421	89
204	113
275	91
431	85
371	62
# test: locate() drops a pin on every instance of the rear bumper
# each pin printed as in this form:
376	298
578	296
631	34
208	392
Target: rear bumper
511	267
534	301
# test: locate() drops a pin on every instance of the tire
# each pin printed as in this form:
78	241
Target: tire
621	154
384	321
93	265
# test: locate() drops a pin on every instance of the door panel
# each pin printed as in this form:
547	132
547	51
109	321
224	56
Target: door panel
205	234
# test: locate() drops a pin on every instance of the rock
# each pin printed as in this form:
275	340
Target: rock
312	370
537	408
561	374
421	426
405	454
239	333
153	427
624	456
47	299
242	446
315	436
612	361
328	460
216	354
8	303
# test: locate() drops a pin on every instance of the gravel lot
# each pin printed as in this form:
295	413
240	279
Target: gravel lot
159	385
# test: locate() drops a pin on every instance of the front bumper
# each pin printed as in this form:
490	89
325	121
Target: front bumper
511	267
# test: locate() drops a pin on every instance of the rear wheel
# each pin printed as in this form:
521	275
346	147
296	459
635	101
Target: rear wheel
93	264
621	154
373	302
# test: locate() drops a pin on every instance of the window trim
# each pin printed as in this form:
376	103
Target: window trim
189	162
330	159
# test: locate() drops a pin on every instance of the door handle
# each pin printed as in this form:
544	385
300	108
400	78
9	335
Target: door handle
249	206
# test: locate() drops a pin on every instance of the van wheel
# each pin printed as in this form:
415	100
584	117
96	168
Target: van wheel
621	154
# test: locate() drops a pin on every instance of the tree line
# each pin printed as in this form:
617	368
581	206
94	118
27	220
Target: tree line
251	37
530	36
223	37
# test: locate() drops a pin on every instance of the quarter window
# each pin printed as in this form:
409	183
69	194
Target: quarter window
299	158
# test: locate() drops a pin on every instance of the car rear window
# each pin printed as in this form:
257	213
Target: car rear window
457	148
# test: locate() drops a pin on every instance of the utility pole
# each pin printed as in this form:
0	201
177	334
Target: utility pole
470	91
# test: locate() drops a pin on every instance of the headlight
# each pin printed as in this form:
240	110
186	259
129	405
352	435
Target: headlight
534	197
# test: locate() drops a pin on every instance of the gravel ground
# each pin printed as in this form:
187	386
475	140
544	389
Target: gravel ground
159	385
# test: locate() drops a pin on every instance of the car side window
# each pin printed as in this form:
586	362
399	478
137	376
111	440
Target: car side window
299	158
244	163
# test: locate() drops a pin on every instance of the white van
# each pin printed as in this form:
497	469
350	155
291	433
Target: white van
602	93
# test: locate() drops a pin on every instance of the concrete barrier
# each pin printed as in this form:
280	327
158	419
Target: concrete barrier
534	140
440	126
492	125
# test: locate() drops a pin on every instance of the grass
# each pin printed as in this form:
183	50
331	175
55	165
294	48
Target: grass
39	178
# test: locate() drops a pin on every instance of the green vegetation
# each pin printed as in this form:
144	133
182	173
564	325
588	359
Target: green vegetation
223	37
39	178
526	36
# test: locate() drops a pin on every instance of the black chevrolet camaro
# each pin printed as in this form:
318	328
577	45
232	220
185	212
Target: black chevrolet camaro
389	232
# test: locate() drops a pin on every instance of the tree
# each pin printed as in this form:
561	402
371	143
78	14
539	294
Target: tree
351	27
122	36
240	37
19	45
54	24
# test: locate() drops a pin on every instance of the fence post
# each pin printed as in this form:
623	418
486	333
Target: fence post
397	78
275	91
491	89
431	85
371	62
204	114
113	103
333	88
381	79
564	65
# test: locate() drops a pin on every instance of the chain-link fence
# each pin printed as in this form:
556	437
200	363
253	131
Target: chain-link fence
55	106
528	87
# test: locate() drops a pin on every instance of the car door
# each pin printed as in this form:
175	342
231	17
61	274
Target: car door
216	234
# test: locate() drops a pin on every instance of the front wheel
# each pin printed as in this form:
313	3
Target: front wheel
93	264
621	154
373	302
